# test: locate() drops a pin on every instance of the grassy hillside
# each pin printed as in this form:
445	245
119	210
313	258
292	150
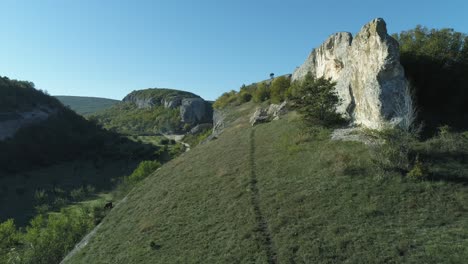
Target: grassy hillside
86	105
57	174
275	193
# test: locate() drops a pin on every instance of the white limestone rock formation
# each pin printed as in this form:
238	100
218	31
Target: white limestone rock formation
369	77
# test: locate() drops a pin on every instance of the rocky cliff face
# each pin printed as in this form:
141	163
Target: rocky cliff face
370	79
167	102
195	111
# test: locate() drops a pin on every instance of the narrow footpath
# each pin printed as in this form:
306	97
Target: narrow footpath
262	224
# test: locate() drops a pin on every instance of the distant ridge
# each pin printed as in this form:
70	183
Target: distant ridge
85	105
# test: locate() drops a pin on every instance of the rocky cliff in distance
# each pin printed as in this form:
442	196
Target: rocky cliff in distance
156	110
193	109
370	79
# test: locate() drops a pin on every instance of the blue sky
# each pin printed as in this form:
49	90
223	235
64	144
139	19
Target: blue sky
109	48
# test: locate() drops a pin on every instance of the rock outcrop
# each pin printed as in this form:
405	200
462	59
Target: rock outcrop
273	112
368	74
195	111
259	116
169	102
276	110
12	122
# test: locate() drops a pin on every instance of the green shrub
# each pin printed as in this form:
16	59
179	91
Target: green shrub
447	141
316	100
41	196
78	194
394	152
8	234
144	169
225	99
49	239
279	86
261	93
418	172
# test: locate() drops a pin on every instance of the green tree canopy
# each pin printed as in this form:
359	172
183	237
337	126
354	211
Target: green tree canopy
436	63
262	93
316	100
278	89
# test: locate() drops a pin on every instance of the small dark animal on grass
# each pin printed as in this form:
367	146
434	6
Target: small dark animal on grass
108	205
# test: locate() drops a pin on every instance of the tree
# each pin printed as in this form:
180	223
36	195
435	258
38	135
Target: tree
278	89
436	63
262	93
316	100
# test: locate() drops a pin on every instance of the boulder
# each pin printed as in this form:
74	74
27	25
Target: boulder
218	121
260	116
195	111
275	110
368	74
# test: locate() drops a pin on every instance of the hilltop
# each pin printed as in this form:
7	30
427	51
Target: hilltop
84	105
156	110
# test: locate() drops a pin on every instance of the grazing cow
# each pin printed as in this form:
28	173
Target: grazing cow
108	205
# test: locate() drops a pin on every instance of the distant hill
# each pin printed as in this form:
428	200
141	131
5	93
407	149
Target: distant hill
37	130
156	110
84	105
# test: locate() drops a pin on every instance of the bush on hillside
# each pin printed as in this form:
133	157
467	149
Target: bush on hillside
261	93
144	169
394	152
225	99
278	88
316	100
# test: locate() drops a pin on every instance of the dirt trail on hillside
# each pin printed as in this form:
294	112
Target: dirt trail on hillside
262	224
178	138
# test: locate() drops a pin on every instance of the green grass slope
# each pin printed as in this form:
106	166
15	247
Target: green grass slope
275	194
86	105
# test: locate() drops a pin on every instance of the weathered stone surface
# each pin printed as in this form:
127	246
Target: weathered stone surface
142	102
195	111
11	122
218	121
172	102
260	116
275	110
272	112
370	79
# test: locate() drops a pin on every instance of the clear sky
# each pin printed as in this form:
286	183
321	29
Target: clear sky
108	48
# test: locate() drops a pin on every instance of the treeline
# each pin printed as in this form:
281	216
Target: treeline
22	96
436	64
276	90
